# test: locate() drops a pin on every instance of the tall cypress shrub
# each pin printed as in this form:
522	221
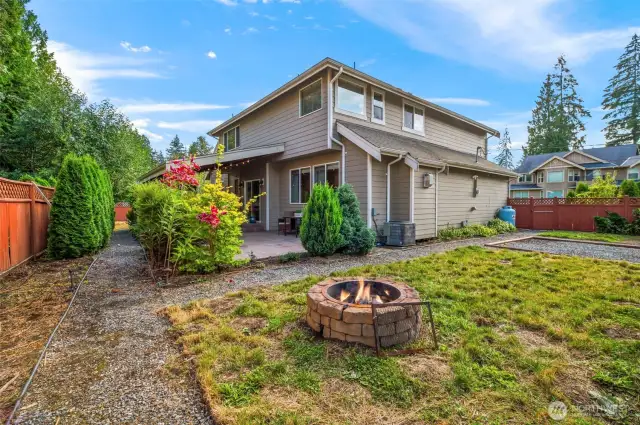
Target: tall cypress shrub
71	229
110	218
358	238
321	222
98	207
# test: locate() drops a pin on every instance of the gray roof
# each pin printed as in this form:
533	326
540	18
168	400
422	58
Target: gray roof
596	165
631	161
423	151
613	154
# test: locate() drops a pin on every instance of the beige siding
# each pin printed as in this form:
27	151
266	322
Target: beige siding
440	129
400	192
456	202
425	206
578	158
285	167
379	190
357	174
279	122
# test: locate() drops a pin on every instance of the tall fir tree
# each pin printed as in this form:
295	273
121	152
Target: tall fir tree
176	149
505	157
200	147
542	126
570	105
158	157
622	98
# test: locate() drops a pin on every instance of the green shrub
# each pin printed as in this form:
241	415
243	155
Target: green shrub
634	226
26	178
501	226
321	222
571	194
289	257
629	188
358	238
612	223
582	187
473	230
72	231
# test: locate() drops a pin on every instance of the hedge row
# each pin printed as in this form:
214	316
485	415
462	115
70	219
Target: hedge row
82	214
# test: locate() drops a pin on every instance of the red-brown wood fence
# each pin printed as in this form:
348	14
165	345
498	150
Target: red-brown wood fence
122	208
24	218
568	213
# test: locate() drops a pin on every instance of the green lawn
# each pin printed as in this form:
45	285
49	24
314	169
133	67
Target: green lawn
517	331
587	236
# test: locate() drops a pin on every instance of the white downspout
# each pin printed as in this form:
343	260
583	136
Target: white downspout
330	137
389	184
437	190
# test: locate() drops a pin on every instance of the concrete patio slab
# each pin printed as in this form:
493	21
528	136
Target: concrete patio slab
269	244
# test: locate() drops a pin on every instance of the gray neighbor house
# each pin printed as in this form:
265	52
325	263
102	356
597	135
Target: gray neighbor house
553	175
407	158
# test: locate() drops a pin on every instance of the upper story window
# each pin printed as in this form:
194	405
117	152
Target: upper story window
633	174
311	98
231	139
350	98
541	177
555	176
377	107
574	175
525	178
413	119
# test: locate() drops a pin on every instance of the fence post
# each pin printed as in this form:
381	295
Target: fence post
32	212
531	212
556	213
627	210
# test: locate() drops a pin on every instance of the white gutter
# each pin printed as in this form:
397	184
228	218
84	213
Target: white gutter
437	189
389	184
330	137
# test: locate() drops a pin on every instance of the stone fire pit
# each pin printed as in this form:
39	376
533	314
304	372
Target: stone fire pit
340	309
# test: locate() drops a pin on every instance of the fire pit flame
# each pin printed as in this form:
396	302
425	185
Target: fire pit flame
363	293
344	294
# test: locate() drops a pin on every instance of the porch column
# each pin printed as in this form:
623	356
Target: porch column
268	190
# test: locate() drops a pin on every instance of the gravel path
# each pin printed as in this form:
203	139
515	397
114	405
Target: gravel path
580	249
108	363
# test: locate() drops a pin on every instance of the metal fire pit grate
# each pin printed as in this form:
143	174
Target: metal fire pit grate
385	309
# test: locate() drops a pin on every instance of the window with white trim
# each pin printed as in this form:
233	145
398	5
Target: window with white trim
231	139
311	98
573	175
525	178
555	193
350	98
555	176
327	173
377	107
521	194
633	174
299	185
541	177
595	174
413	119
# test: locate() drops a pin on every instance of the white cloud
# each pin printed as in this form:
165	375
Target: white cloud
212	55
194	126
246	104
290	1
127	46
269	17
367	62
169	107
309	18
153	137
493	33
458	101
227	2
87	69
289	12
250	30
227	31
272	28
341	26
254	14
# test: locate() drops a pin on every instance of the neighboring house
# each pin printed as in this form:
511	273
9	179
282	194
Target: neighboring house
553	175
407	158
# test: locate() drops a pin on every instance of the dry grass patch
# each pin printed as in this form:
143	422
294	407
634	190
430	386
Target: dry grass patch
32	299
517	331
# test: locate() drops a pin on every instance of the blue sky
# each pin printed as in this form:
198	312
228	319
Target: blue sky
183	66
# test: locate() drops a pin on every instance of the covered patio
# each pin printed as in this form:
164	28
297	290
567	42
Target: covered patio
269	244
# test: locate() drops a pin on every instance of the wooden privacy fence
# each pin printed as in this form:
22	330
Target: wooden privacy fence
122	208
24	218
568	213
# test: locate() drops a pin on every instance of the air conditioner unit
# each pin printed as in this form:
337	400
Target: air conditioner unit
399	233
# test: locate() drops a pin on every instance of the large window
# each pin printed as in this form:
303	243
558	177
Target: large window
300	185
525	178
311	98
520	194
231	139
574	175
350	98
327	173
413	120
377	107
541	177
555	193
595	174
633	174
555	176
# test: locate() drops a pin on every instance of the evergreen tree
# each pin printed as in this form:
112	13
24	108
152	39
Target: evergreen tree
357	237
505	157
200	147
176	149
622	98
158	157
541	127
321	222
570	108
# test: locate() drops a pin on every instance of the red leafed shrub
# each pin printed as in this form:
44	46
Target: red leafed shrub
181	174
213	218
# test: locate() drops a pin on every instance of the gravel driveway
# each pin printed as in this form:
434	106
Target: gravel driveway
580	249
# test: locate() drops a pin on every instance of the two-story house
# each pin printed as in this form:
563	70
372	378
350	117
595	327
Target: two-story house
553	175
407	158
